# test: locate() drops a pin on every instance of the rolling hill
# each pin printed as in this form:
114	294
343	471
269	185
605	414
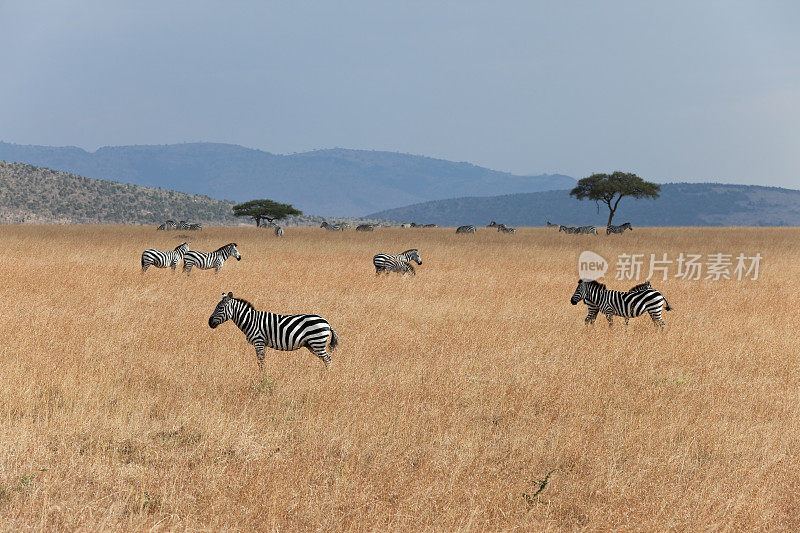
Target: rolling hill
680	204
334	182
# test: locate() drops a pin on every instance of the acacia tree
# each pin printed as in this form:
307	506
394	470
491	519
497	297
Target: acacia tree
268	210
610	188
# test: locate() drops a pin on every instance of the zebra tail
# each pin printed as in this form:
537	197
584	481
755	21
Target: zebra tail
334	340
667	307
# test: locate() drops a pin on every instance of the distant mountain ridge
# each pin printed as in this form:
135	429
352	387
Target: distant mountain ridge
680	204
335	182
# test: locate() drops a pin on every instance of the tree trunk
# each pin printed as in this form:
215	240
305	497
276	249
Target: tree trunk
610	215
258	221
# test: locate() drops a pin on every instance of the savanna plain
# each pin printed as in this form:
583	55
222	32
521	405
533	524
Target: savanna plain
468	397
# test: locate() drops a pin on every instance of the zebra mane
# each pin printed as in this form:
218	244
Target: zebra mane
640	286
245	302
595	283
226	246
409	251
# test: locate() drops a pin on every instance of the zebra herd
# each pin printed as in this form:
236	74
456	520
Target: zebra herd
191	258
182	225
590	230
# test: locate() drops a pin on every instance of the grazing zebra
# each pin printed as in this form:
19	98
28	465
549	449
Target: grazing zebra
569	229
278	231
506	229
465	229
160	259
586	230
365	227
330	227
168	225
618	229
549	225
396	263
279	332
492	224
625	304
207	260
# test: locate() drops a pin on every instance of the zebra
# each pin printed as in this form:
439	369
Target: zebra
569	229
345	225
330	227
465	229
406	225
168	225
506	229
396	263
625	304
492	224
161	259
618	229
195	227
365	227
550	225
586	230
183	225
207	260
429	226
279	332
278	231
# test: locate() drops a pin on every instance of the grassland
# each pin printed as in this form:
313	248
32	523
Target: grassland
451	394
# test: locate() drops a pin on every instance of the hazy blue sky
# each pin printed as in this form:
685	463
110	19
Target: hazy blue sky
690	90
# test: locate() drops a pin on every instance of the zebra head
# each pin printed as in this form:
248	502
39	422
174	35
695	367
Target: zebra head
222	312
580	293
182	247
413	255
235	252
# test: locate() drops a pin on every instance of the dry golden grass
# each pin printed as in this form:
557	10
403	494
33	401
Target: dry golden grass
450	394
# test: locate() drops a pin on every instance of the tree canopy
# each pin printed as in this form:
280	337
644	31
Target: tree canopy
608	188
264	209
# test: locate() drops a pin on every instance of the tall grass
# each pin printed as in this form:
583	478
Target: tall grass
452	395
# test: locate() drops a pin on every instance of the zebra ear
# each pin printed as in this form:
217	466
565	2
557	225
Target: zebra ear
230	295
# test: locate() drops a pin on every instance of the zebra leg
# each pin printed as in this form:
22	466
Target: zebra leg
320	351
626	321
260	356
591	316
657	320
610	319
187	268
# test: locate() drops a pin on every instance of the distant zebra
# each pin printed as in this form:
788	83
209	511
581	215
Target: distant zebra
492	224
405	225
549	225
330	227
278	231
396	263
429	225
506	229
168	225
625	304
586	230
618	229
195	227
569	229
345	225
465	229
183	225
160	259
208	260
365	227
279	332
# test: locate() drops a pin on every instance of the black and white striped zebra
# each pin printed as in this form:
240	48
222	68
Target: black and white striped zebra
330	227
195	227
168	225
207	260
506	229
396	263
465	229
625	304
278	231
573	230
429	226
279	332
491	224
586	230
160	259
365	227
549	225
618	229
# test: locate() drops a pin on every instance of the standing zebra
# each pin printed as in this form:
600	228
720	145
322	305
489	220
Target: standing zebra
625	304
465	229
330	227
569	229
278	231
279	332
207	260
396	263
492	224
618	229
168	225
586	230
365	227
161	259
195	227
549	225
506	229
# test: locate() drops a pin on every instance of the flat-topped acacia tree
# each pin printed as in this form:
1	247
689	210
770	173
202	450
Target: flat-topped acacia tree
610	188
264	209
